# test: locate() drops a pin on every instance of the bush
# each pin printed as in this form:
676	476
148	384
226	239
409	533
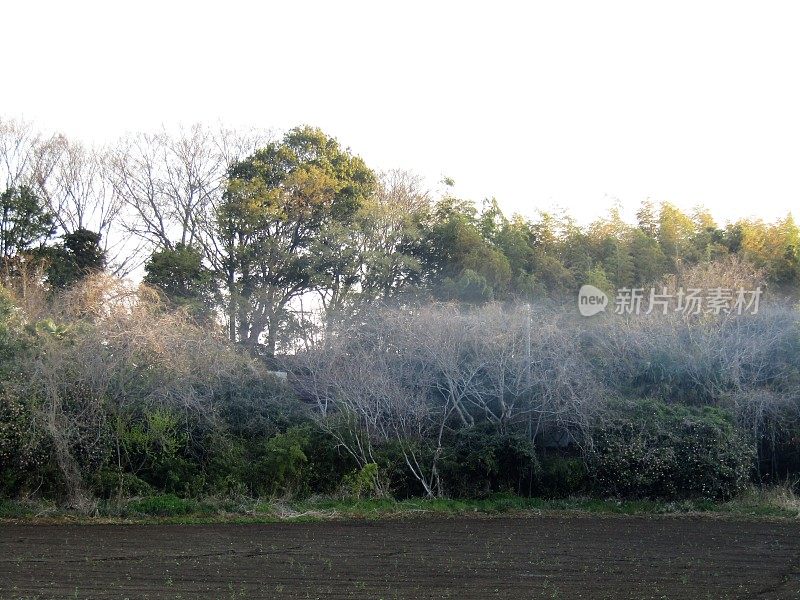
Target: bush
328	463
26	462
167	505
283	465
561	476
11	342
156	449
227	464
479	462
650	449
14	426
392	465
111	483
362	483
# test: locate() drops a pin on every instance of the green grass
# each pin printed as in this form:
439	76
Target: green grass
11	510
779	502
376	509
167	505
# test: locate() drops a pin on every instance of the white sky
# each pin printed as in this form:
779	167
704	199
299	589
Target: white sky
560	103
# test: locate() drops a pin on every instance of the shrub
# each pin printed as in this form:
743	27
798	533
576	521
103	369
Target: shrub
363	483
156	450
227	464
561	476
648	448
284	462
25	459
111	483
166	505
480	461
392	464
328	463
11	342
13	427
299	461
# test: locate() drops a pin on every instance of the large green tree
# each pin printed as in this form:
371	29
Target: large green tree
276	206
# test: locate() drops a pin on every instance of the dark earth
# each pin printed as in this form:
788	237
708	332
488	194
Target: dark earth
534	557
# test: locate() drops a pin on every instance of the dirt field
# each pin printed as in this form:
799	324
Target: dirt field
538	557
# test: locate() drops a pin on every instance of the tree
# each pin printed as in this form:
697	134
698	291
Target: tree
675	233
25	221
76	183
458	258
375	256
549	236
610	238
170	183
647	220
20	154
183	278
389	225
167	182
649	262
784	253
277	204
79	255
708	239
515	240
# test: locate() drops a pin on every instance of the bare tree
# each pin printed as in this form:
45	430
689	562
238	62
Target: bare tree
20	152
76	183
171	181
373	259
416	376
370	389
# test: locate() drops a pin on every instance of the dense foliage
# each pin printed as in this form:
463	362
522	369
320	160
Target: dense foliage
117	394
651	449
424	345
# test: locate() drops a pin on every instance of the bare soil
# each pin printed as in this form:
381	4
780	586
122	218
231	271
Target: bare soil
561	557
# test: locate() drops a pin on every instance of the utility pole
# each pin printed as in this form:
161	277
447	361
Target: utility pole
528	362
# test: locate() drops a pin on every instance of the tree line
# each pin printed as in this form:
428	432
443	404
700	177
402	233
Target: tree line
432	346
277	238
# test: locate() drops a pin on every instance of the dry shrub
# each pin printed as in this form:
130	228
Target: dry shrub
111	354
413	376
24	281
730	272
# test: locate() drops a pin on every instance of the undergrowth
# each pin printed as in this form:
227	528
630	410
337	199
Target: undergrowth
778	501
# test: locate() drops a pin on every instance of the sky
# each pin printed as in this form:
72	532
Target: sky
576	105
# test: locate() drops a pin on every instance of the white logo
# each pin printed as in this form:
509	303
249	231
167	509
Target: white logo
591	300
